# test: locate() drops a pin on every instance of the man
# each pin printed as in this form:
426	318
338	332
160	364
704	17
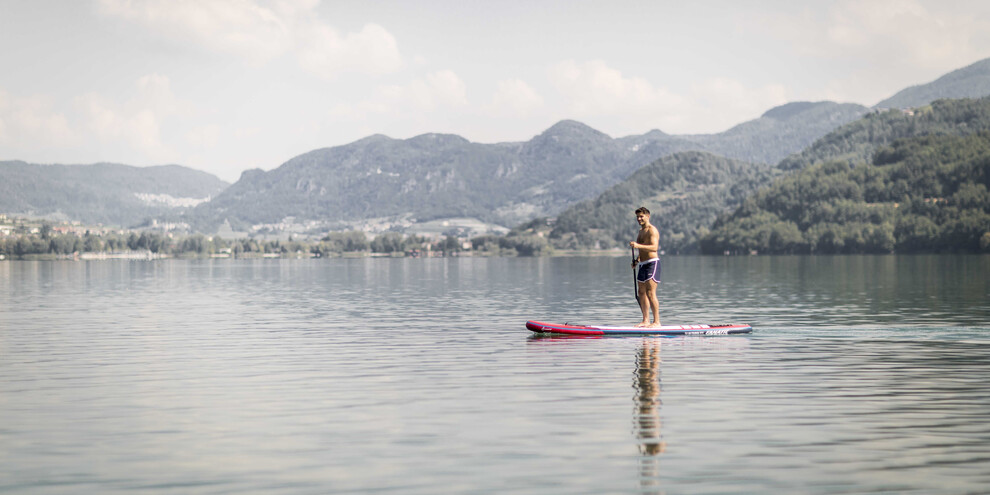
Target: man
648	276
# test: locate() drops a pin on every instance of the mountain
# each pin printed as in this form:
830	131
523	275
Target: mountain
780	131
379	182
689	190
427	177
972	81
922	194
104	192
857	141
685	192
908	182
398	182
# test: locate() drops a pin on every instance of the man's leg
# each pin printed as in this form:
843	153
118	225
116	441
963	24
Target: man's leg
644	303
651	291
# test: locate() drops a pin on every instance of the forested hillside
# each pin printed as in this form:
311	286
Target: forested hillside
921	194
688	191
857	141
972	81
104	192
685	192
780	131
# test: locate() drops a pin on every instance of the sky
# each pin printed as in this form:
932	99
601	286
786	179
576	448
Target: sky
225	86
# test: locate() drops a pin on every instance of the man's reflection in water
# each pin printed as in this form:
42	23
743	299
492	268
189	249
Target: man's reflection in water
646	414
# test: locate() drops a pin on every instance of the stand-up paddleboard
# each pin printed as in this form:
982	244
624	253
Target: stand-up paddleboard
712	329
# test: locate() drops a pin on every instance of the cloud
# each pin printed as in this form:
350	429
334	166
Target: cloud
239	27
515	98
325	53
92	125
905	31
726	101
259	31
204	137
856	51
447	87
593	88
33	121
104	122
4	103
136	121
434	102
605	96
866	51
437	91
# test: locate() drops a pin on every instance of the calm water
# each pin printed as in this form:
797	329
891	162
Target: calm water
865	374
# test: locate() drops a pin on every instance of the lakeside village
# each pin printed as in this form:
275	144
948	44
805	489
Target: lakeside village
41	239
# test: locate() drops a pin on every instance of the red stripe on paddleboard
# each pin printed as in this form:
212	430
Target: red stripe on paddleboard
538	326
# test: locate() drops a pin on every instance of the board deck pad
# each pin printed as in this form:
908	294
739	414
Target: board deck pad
704	329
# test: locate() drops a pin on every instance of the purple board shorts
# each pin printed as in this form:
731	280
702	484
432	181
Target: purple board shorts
649	269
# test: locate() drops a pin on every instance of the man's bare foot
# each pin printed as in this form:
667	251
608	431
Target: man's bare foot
655	324
642	324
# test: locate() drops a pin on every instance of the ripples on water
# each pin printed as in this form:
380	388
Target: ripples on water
417	376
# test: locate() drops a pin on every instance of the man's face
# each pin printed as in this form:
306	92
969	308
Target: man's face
642	218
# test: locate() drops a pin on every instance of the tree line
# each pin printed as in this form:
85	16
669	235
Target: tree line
685	193
49	242
857	141
921	194
891	181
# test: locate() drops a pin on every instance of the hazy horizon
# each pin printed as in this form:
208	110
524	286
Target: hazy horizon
226	86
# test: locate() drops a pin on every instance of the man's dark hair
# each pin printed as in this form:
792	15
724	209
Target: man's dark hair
643	210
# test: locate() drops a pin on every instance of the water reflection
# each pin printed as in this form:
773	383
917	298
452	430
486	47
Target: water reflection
646	412
864	374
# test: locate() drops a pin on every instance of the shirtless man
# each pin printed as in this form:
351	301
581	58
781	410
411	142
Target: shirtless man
648	276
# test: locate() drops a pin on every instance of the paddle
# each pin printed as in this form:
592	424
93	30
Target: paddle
635	282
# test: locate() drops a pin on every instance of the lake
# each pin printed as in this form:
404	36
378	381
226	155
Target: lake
863	374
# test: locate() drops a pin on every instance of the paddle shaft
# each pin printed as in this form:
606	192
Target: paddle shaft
635	281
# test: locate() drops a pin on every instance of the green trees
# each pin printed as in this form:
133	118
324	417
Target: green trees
526	245
195	244
921	194
858	189
685	193
340	242
858	141
331	245
449	245
513	244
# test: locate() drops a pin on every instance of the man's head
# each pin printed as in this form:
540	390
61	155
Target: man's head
642	215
